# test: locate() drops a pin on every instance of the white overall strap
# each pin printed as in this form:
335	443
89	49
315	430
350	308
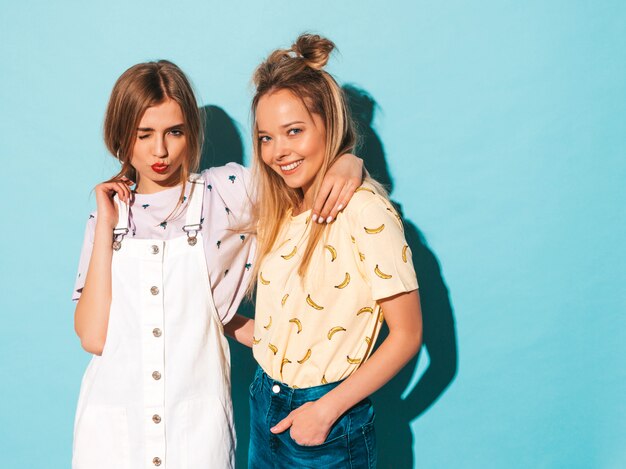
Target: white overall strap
121	229
193	218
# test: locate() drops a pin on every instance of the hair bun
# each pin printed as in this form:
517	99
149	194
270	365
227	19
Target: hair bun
314	49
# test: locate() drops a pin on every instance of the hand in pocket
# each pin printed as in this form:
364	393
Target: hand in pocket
308	425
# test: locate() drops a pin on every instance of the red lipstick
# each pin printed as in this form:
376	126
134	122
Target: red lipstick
159	167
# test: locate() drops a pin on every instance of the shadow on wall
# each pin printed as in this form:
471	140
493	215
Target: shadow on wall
395	414
222	141
223	144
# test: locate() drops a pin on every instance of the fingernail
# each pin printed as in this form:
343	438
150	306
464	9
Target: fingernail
329	219
320	220
313	218
340	207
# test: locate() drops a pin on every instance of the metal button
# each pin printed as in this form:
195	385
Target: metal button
276	389
154	290
154	249
156	461
156	418
156	375
156	332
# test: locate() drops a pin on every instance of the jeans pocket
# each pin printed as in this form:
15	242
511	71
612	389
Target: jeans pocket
339	442
357	419
338	436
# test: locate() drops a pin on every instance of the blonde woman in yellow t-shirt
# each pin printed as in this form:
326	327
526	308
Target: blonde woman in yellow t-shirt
321	288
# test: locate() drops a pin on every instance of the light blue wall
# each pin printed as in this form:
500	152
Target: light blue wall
503	124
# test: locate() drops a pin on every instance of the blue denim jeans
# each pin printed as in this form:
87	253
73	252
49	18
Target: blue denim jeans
351	442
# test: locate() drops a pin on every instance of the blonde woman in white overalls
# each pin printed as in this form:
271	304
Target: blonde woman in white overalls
162	272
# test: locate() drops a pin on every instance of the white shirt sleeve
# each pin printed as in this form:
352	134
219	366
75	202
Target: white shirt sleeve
85	257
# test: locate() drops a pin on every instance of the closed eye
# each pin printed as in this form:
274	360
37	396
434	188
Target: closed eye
143	136
176	132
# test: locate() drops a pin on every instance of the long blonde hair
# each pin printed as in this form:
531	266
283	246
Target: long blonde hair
138	88
299	69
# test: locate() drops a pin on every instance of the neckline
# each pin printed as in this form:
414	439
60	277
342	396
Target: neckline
157	195
167	192
302	217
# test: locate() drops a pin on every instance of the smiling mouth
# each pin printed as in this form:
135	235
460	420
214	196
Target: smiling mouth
291	167
159	167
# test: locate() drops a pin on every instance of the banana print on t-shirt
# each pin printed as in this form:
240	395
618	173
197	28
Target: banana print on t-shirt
321	329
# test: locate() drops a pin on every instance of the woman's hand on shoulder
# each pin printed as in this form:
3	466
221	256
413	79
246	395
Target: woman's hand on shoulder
106	207
342	179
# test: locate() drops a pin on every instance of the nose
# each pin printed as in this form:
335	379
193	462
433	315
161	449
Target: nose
281	149
160	148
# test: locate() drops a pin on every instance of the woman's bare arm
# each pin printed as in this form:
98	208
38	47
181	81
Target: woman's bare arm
91	317
241	329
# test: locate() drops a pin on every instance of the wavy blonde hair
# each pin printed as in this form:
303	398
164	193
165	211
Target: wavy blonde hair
300	70
142	86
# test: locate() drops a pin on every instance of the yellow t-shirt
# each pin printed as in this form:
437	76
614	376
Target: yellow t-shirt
320	330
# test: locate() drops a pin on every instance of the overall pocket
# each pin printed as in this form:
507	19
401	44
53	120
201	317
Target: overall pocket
209	432
101	439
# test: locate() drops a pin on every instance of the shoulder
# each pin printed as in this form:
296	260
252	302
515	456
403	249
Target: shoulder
231	183
366	194
368	203
231	176
231	173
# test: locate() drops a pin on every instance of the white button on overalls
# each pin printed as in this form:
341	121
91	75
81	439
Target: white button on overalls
160	393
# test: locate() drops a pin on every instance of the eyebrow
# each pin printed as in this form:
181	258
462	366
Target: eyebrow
282	126
150	129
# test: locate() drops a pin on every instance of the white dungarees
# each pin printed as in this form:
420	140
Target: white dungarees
159	396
